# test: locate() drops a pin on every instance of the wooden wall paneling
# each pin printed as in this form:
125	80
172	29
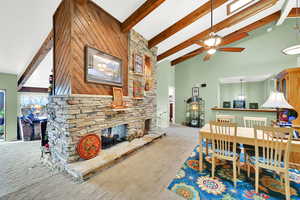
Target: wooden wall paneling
94	27
62	52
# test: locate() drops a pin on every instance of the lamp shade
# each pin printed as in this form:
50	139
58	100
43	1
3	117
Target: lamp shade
277	100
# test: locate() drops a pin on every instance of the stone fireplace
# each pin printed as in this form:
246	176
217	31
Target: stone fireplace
72	117
78	107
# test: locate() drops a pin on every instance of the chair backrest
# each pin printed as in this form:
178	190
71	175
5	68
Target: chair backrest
251	122
225	118
272	146
224	138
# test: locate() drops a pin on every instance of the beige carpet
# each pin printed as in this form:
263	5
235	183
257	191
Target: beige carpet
143	175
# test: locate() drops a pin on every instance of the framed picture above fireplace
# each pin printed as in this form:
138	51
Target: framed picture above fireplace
102	68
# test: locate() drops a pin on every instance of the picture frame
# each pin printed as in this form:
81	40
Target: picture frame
118	96
138	92
195	91
138	64
102	68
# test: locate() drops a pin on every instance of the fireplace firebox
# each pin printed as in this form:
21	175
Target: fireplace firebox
114	135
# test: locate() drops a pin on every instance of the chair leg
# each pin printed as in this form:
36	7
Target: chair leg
213	166
287	186
256	178
248	170
234	173
206	148
239	166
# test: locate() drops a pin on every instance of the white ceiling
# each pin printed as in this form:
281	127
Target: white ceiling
25	25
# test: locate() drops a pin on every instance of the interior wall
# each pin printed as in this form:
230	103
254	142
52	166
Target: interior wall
165	79
262	56
89	25
255	92
8	82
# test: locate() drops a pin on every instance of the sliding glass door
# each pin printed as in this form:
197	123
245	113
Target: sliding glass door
2	115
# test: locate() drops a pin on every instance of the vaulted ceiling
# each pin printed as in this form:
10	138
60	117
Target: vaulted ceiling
26	24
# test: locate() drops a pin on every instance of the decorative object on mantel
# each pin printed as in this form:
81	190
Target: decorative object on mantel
276	100
118	102
138	92
89	146
138	64
102	68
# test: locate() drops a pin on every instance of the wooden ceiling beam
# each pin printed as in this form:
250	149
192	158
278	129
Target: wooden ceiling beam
230	37
230	21
295	12
33	89
37	59
140	14
184	22
287	7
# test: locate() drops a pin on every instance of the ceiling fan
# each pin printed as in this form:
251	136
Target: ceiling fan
214	43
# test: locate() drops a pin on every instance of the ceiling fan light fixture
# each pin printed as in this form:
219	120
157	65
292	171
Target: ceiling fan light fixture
211	51
293	50
213	40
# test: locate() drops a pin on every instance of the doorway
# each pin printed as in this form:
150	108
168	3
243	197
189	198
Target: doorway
172	105
2	115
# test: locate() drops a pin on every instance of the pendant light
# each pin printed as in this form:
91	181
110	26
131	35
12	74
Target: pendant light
213	39
295	49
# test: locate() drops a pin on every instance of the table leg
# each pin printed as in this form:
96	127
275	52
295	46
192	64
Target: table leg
200	153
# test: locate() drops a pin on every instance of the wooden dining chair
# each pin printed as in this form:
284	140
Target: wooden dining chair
224	145
225	118
251	122
272	151
220	118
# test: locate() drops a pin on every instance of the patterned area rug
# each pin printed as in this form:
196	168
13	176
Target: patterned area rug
193	185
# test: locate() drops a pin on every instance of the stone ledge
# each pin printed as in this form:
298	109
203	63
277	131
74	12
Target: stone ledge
82	170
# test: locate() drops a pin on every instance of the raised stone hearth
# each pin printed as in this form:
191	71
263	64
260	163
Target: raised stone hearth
84	169
72	117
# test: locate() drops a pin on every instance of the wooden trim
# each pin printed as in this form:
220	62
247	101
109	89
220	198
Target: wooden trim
295	12
140	14
33	89
184	22
249	28
37	59
230	4
230	21
244	110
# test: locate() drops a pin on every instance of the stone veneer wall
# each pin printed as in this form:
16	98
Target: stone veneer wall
72	117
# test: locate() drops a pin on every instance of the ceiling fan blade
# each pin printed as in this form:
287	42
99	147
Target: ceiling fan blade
207	57
233	38
231	49
201	43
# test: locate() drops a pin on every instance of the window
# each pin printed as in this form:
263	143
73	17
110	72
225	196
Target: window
237	5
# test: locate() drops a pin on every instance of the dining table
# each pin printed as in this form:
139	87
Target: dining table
244	136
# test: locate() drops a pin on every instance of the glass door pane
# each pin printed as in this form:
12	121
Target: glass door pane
2	114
